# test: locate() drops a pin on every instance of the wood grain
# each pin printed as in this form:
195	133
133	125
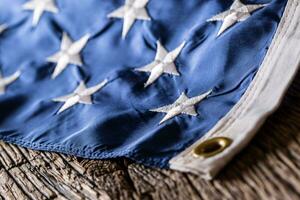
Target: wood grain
269	168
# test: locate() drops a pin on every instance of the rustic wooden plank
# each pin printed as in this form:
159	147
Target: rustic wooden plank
72	184
112	177
9	188
160	184
24	182
15	153
5	159
35	179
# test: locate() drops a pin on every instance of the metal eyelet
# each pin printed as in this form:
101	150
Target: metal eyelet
212	147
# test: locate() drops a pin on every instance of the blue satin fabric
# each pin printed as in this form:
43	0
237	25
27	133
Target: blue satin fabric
119	122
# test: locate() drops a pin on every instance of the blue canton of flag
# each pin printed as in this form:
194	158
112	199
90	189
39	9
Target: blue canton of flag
143	79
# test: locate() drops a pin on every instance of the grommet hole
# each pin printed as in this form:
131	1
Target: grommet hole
212	147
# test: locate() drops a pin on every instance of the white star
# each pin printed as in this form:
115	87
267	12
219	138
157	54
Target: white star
69	54
2	28
4	81
131	11
39	7
183	105
237	12
80	95
163	63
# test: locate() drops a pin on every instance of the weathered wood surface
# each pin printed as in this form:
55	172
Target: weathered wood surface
269	168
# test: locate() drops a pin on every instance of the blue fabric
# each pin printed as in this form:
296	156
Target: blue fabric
119	122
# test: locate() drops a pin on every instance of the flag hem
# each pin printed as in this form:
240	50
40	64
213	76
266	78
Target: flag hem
262	97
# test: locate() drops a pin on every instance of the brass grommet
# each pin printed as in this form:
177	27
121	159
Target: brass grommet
211	147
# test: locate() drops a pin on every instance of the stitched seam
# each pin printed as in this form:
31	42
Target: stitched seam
133	154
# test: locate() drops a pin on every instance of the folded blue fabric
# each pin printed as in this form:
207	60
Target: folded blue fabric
138	79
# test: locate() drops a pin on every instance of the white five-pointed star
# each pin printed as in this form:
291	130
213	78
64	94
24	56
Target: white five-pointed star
4	81
69	53
183	105
131	11
39	7
2	28
163	63
237	12
80	95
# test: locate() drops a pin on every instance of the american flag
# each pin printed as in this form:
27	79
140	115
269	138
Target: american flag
143	79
